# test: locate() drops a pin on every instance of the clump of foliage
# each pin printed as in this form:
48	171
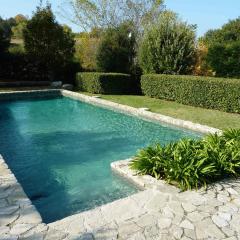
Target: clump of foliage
86	49
105	14
190	164
5	33
116	49
168	46
215	93
17	30
48	42
225	59
105	83
202	67
223	49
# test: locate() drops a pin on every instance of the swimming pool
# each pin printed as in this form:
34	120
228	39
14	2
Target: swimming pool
60	150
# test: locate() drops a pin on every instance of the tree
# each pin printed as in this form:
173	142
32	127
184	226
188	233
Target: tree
224	49
116	49
47	41
89	14
5	33
228	33
168	46
17	30
225	59
86	50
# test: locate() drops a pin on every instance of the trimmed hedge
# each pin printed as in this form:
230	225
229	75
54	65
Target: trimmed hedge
215	93
104	83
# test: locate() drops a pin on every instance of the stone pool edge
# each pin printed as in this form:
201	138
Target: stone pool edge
19	218
141	112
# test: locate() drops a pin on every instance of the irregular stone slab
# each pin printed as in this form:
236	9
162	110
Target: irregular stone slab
29	215
164	223
19	229
188	207
106	232
177	232
219	221
187	225
128	228
8	210
6	220
157	202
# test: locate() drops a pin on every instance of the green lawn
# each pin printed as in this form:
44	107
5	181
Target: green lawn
204	116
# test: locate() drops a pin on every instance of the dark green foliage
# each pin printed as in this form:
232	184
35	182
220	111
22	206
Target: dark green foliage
19	66
224	49
116	50
225	59
190	164
5	33
228	33
104	83
168	46
47	42
22	67
216	93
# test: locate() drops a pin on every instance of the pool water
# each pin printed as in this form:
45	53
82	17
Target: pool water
60	150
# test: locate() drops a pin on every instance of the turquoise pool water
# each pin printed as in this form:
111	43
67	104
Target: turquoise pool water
60	151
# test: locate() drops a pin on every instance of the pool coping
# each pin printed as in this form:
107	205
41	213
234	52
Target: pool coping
19	215
141	112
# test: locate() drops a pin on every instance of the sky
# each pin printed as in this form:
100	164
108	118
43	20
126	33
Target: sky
206	14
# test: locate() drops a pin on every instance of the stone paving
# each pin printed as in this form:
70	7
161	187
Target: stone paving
159	212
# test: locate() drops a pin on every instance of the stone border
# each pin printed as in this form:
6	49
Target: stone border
144	182
17	214
141	113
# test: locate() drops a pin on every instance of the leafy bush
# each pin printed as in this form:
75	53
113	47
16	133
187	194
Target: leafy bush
216	93
104	83
190	164
5	33
47	41
116	49
19	66
168	46
223	49
225	59
86	49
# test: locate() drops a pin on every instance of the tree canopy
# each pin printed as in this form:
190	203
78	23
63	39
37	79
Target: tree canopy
89	14
168	46
224	49
47	41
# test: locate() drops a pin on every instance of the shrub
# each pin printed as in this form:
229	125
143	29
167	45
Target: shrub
225	59
48	42
86	49
104	83
116	49
168	46
223	49
216	93
190	164
19	66
5	34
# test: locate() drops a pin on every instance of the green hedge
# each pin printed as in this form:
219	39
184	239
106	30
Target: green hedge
215	93
104	83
